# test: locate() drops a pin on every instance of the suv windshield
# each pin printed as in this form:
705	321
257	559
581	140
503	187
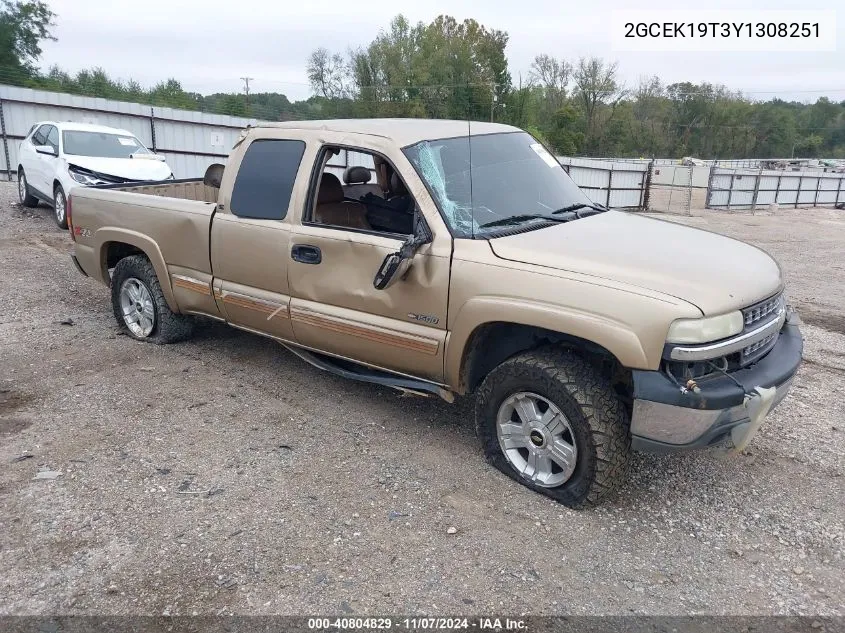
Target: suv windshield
101	144
505	179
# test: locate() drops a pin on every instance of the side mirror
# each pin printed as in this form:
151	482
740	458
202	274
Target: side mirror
49	150
392	269
395	265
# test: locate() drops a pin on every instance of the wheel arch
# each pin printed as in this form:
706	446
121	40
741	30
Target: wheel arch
116	244
478	343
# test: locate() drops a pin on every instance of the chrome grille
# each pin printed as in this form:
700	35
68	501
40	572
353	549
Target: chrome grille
759	346
755	316
760	311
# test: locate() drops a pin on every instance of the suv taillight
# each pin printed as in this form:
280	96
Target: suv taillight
69	218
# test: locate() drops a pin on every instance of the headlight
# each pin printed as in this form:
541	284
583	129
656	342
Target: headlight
83	178
705	330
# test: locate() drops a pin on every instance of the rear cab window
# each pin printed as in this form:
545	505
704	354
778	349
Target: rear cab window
265	179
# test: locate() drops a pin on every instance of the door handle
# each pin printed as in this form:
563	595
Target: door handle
306	254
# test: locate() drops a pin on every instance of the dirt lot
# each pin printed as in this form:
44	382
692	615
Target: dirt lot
224	475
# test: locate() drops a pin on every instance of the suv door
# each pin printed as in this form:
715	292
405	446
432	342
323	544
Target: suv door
36	165
50	163
336	309
250	240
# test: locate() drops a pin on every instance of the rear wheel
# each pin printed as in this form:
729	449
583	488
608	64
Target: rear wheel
26	199
553	423
140	307
60	206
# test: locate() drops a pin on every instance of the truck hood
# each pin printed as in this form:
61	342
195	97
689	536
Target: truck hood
717	274
129	168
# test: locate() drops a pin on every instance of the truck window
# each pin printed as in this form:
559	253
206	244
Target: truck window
265	179
357	189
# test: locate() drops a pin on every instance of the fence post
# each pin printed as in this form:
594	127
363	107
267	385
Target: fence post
756	191
709	194
731	189
5	142
645	193
153	127
798	193
777	189
838	190
816	198
609	187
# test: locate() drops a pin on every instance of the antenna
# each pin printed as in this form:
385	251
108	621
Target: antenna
471	205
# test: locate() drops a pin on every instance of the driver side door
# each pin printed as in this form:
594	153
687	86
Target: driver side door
336	309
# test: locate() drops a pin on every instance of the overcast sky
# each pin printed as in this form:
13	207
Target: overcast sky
208	45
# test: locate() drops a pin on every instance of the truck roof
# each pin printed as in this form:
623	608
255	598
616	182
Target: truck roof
402	131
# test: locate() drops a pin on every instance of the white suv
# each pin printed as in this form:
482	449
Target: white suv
55	157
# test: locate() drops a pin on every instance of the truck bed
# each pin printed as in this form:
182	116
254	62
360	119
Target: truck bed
171	219
185	189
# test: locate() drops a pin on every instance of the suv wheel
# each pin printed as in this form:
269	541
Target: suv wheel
26	198
553	423
60	206
139	305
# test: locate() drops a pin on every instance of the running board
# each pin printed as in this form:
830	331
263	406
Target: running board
400	383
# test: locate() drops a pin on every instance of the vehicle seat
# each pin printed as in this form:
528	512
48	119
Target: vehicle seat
357	179
397	187
333	209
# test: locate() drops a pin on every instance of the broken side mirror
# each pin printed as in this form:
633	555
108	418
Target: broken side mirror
395	265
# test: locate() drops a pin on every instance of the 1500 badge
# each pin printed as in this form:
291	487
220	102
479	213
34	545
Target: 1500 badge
424	318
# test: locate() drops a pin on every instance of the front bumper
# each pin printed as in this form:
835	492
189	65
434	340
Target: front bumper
665	419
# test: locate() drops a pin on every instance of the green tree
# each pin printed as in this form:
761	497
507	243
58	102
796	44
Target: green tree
23	26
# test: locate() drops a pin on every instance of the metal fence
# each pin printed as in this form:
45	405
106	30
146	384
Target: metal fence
611	183
743	189
189	140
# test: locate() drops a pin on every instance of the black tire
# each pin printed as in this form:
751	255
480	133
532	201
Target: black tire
168	327
26	198
597	418
60	204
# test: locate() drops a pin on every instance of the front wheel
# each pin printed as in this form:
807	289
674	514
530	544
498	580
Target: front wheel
553	423
26	198
139	304
60	206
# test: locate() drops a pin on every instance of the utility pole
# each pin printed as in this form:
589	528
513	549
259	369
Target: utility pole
246	88
493	100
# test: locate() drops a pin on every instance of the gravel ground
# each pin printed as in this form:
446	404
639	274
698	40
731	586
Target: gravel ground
224	475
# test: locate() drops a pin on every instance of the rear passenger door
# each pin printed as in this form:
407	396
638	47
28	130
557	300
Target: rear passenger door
250	238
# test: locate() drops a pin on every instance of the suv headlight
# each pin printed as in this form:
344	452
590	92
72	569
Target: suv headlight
705	330
84	178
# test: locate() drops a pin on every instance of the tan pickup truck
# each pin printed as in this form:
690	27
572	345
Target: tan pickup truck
451	259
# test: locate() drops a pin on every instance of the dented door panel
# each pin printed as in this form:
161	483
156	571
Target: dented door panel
250	269
335	308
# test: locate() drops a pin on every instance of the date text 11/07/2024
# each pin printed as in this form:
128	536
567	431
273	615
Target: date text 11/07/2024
418	624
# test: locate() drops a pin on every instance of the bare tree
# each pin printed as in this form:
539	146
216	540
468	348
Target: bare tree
553	76
327	73
596	83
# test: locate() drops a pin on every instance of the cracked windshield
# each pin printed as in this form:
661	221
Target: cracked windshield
501	180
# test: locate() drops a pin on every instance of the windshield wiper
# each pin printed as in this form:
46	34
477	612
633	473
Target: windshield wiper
575	210
519	219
